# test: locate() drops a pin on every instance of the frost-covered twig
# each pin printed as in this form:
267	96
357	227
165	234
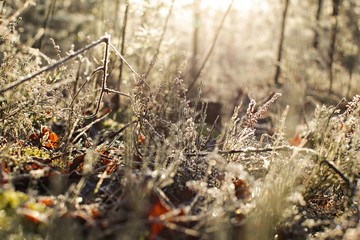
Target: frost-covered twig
139	77
105	39
337	171
257	150
83	130
54	65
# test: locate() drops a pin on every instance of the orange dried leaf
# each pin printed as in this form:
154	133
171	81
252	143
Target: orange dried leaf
95	212
141	138
49	138
5	167
33	166
296	140
48	201
158	208
34	137
27	168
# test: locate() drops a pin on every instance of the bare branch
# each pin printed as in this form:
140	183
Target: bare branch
104	78
212	47
87	127
256	150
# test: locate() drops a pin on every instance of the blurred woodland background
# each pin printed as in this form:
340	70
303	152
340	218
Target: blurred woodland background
308	50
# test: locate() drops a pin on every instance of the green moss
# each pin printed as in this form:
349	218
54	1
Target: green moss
34	152
4	221
39	207
29	151
11	199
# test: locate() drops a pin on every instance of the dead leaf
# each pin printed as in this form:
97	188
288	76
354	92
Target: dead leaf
242	190
157	209
296	140
49	139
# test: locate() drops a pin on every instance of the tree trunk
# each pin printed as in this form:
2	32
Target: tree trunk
46	24
317	17
195	40
335	14
281	43
349	85
123	34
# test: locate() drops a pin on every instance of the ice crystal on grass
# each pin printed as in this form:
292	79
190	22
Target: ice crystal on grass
351	107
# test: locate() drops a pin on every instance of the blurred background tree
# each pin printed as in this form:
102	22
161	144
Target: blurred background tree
247	49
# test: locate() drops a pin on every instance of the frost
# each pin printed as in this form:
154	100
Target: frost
297	198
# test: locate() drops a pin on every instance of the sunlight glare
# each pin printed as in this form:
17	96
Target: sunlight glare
240	5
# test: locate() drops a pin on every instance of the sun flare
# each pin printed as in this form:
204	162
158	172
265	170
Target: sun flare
240	5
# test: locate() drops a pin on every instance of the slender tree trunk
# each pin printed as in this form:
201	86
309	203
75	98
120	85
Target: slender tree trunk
281	43
195	40
123	33
211	49
46	24
335	14
2	7
317	17
349	85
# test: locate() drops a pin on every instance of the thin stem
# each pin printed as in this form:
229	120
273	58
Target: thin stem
337	171
137	75
87	127
117	134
